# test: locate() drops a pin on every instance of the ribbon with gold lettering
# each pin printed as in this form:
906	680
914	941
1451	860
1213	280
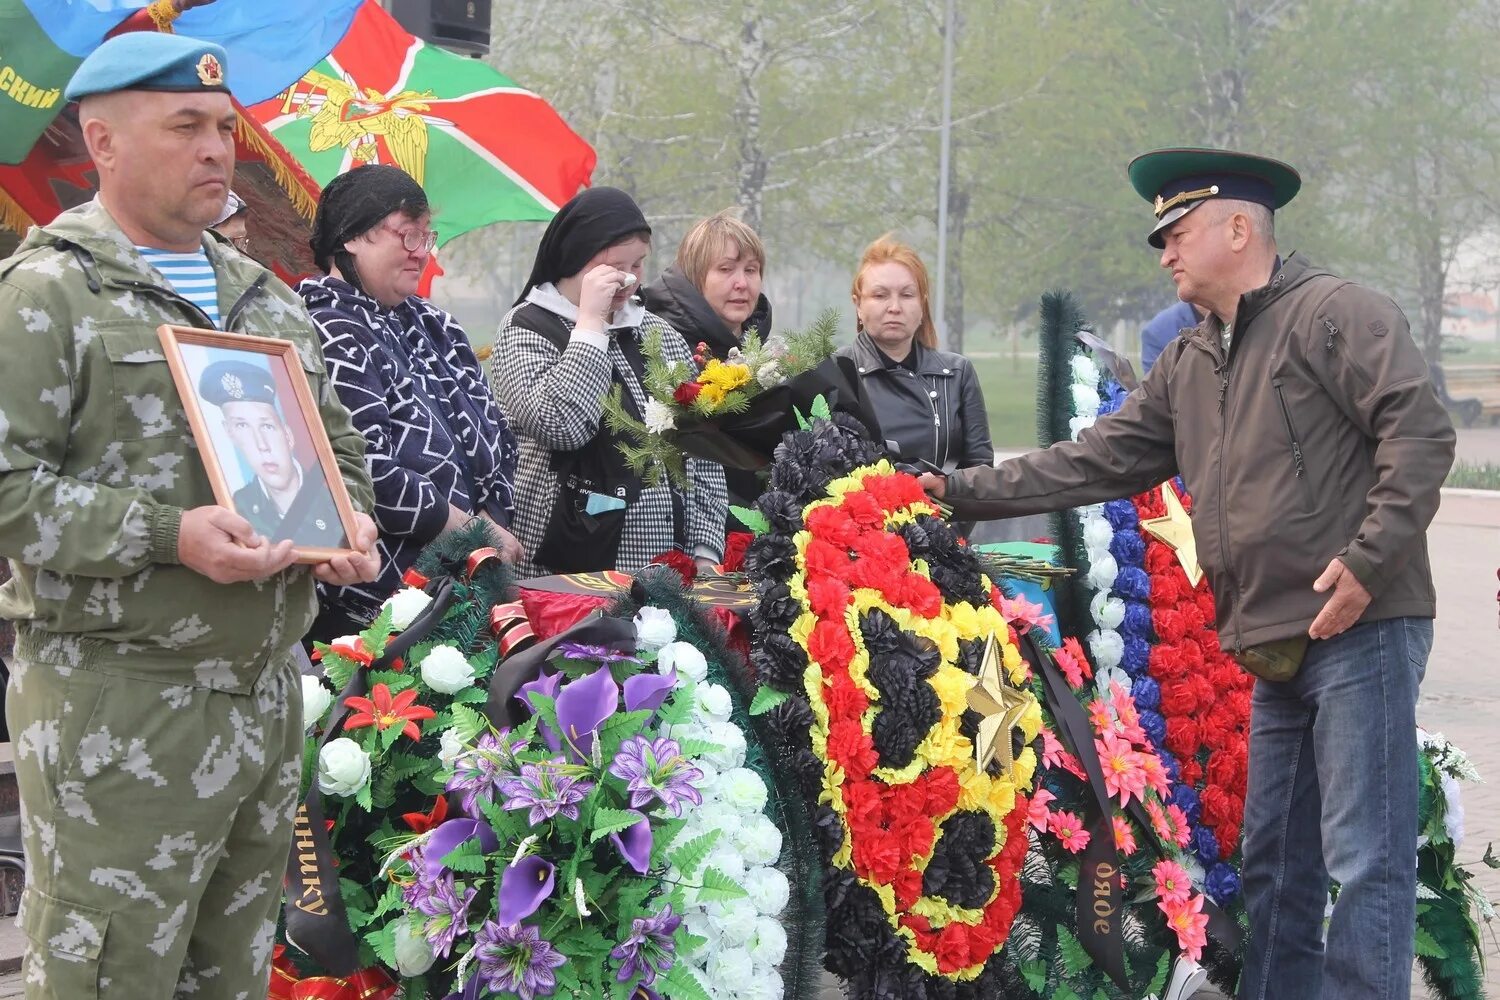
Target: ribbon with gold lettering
1099	893
511	628
479	557
315	919
287	983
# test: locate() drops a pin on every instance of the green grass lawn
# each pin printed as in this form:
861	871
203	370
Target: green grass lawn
1010	399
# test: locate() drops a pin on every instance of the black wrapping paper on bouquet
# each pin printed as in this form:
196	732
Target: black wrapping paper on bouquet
747	440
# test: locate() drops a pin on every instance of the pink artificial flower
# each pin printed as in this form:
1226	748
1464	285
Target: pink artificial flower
1053	755
1069	665
1037	813
1181	833
1159	822
1156	774
1023	614
1067	829
1100	717
1123	774
1124	835
1190	923
1172	882
1127	719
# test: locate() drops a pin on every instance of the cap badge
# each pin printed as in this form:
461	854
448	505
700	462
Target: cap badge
233	387
1182	198
210	70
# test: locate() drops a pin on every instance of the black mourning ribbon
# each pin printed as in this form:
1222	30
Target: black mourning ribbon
503	709
316	921
1099	909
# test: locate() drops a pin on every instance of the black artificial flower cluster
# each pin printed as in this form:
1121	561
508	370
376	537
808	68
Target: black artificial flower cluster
900	664
957	871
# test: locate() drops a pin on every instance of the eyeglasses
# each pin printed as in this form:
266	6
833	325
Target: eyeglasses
240	243
417	240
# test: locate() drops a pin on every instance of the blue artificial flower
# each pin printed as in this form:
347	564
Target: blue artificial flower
1147	693
1136	656
1137	621
1121	515
1205	845
1186	799
1222	884
1128	549
1133	582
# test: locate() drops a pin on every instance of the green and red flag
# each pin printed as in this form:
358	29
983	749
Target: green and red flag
485	149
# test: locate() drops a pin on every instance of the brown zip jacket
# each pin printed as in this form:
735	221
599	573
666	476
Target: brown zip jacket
1319	435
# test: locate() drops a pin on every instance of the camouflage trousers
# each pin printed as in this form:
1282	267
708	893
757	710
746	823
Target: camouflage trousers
157	821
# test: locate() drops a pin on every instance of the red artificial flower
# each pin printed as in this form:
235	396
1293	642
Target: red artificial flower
1074	663
827	596
686	393
422	822
843	698
864	510
680	561
833	526
735	545
383	711
350	647
830	645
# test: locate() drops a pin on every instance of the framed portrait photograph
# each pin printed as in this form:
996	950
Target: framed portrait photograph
261	437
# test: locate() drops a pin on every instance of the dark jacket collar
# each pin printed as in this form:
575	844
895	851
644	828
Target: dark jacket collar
869	358
677	300
1292	272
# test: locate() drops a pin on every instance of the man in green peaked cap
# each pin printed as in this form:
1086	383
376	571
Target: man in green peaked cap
153	702
1300	415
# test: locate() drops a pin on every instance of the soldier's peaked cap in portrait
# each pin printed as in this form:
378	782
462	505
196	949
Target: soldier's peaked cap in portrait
1176	181
236	382
150	60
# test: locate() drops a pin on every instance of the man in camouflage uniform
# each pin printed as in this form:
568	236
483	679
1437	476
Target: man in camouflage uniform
154	705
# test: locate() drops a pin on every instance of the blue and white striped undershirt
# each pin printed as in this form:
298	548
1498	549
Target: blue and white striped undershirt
190	275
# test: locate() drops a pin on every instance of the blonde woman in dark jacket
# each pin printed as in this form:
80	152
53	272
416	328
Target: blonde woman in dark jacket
928	401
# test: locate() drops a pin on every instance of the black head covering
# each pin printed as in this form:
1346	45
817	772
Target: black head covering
595	218
352	204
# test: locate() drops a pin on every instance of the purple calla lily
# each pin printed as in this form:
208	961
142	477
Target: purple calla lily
634	844
524	887
546	684
449	836
582	707
646	692
643	992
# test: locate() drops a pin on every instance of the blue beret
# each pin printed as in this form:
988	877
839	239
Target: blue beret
1176	181
150	60
236	382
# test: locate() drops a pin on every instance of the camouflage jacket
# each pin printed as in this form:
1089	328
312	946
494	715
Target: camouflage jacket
98	463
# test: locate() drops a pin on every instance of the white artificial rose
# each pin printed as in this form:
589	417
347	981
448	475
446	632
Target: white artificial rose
1107	649
713	701
405	605
654	628
343	767
706	783
764	984
730	968
447	670
1102	572
1106	678
315	701
759	840
1077	425
742	789
725	858
682	657
735	922
1084	369
1108	611
731	742
699	924
767	946
414	955
452	745
719	817
769	374
658	416
1097	534
1085	400
768	890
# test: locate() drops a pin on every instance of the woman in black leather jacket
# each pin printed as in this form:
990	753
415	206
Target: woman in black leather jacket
928	401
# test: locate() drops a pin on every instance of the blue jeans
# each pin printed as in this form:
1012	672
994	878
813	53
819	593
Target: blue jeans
1332	793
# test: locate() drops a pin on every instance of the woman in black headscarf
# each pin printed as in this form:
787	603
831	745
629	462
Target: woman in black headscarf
440	451
575	334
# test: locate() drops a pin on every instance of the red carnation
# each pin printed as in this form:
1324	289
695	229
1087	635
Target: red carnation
683	563
735	545
686	393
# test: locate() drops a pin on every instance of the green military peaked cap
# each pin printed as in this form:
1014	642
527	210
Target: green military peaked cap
1176	181
150	60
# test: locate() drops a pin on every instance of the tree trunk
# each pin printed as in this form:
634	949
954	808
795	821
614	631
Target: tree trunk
752	166
953	306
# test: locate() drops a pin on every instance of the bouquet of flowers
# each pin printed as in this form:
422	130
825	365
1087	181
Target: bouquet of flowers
612	836
734	411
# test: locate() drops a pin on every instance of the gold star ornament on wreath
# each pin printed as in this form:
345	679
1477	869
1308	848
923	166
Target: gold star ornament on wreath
1175	530
1001	707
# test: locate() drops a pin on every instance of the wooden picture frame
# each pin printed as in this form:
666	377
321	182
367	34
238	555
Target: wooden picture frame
259	457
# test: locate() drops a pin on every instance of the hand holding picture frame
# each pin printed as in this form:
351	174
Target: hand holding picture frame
261	437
